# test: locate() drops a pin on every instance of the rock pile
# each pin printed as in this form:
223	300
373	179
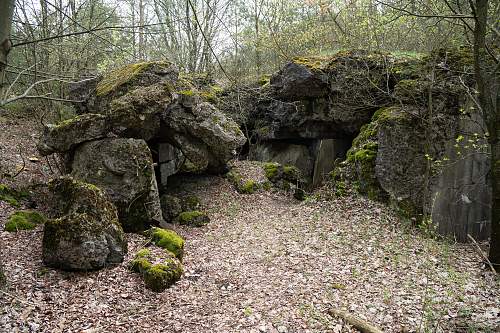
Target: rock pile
132	118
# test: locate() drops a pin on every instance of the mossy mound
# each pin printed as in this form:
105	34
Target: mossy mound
184	210
11	196
193	218
243	186
273	170
24	220
158	273
285	177
168	240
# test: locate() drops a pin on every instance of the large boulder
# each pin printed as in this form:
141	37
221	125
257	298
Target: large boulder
301	78
123	168
87	235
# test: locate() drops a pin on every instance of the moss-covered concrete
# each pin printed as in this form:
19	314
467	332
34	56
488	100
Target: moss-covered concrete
123	75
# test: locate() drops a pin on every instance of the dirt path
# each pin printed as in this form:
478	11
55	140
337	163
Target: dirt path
266	263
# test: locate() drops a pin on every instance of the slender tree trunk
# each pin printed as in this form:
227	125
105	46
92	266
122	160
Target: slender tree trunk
488	85
142	47
6	12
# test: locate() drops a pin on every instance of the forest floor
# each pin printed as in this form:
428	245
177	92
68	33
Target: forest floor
265	263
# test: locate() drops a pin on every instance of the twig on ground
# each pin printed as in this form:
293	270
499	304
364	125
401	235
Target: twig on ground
361	325
482	254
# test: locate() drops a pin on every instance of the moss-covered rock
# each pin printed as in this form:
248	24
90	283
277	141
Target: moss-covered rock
190	202
286	177
171	207
241	184
358	169
158	272
132	74
193	218
88	235
168	240
273	170
24	220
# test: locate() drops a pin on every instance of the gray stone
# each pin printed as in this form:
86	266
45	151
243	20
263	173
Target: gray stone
299	81
167	152
461	195
123	168
204	135
171	207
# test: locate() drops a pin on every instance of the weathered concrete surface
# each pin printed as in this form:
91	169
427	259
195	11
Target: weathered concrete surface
462	193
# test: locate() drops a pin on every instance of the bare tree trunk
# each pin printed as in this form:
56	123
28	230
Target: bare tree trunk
141	31
488	85
6	12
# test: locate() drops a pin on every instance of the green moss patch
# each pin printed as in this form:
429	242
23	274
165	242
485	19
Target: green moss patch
272	170
11	196
194	218
168	240
157	275
24	220
123	75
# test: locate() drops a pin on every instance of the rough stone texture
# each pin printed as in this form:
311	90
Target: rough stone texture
299	81
67	135
171	207
204	135
401	163
325	98
88	235
285	153
461	195
126	79
123	168
170	160
146	101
